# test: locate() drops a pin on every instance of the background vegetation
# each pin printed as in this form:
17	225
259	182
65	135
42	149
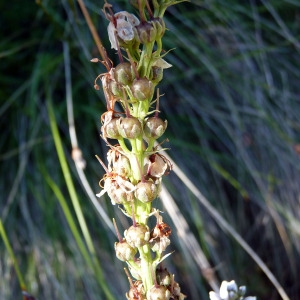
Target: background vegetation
232	100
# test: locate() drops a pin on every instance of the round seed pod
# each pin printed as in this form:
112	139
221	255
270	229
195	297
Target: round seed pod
115	88
142	89
159	292
146	32
123	73
111	129
129	127
124	251
137	236
155	127
146	191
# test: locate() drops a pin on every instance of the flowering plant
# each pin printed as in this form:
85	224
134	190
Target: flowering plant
135	166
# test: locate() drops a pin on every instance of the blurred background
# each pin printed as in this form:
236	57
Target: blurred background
232	101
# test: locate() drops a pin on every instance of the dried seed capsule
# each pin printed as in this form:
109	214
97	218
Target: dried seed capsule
146	191
163	277
176	289
155	127
114	192
142	89
124	251
156	74
115	88
136	291
123	73
111	129
137	236
159	292
146	32
129	127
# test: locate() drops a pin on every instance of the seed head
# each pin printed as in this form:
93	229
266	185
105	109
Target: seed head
158	292
124	251
155	127
146	191
137	236
142	89
146	32
129	127
123	73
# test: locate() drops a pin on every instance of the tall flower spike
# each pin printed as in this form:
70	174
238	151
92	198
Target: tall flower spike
135	168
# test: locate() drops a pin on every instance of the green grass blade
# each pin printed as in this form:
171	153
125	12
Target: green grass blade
75	200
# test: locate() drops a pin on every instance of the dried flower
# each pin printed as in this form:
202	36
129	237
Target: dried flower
230	291
124	29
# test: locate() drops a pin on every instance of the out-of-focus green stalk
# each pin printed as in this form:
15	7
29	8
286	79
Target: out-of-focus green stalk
12	255
75	200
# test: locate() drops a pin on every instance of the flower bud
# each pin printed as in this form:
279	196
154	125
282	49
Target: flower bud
155	127
146	191
129	127
146	32
137	236
111	129
160	26
123	73
124	251
159	292
142	89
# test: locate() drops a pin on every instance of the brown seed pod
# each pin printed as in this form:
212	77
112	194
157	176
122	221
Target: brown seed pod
163	276
111	129
158	292
136	291
129	127
159	25
123	73
146	191
155	127
146	32
137	236
156	74
142	89
124	251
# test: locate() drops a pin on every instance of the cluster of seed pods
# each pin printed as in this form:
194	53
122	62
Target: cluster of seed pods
130	127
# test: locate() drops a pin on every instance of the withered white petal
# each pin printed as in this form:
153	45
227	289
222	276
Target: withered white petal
162	63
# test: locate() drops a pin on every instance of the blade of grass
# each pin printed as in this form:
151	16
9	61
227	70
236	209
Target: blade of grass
76	151
12	255
74	198
227	227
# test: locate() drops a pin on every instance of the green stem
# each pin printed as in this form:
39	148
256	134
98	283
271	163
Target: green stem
146	266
